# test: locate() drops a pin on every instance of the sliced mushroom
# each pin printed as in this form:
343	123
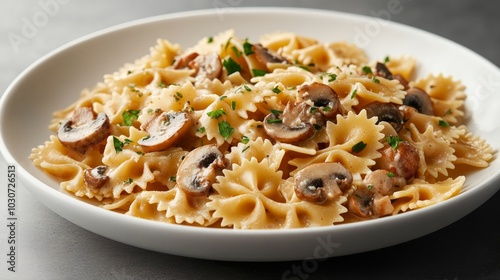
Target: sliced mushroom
292	127
403	160
84	129
207	66
381	70
96	177
401	80
323	97
198	170
185	60
165	129
371	199
386	112
420	100
265	56
321	182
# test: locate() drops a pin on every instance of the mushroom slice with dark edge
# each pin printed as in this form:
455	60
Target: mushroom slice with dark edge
84	129
165	129
291	127
198	170
320	182
95	177
381	70
387	112
184	60
371	199
322	97
420	100
403	160
265	56
207	66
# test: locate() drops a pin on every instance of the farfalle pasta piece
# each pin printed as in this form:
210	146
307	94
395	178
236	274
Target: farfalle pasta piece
348	132
472	150
421	194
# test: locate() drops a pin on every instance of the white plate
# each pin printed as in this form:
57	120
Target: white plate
56	80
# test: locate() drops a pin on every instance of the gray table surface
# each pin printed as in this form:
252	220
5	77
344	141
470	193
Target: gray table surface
50	247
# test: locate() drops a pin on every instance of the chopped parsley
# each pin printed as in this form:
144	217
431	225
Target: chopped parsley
258	72
129	116
201	129
332	77
245	139
216	114
387	59
225	129
237	52
358	147
244	149
393	141
231	66
162	84
353	94
274	121
247	48
233	105
443	123
276	112
118	145
178	96
276	89
210	39
247	88
173	179
369	187
367	70
390	175
128	181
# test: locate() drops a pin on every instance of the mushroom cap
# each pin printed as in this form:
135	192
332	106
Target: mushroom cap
404	161
184	60
265	56
83	131
387	112
320	182
420	100
198	170
280	131
207	66
95	177
323	97
165	129
381	70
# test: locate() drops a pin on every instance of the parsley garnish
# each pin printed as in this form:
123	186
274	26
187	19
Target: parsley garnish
258	72
162	84
332	78
233	105
390	174
353	94
358	147
129	116
231	66
393	141
443	123
216	114
274	121
276	112
244	149
237	52
119	144
210	39
128	182
276	89
367	70
173	179
369	187
387	59
201	129
247	88
247	48
245	139
225	129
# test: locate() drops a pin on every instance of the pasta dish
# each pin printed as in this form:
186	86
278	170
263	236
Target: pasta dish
283	132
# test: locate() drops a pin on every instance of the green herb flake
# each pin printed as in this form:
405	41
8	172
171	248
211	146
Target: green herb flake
244	149
247	48
387	59
390	175
276	112
332	77
274	121
367	70
247	88
245	139
129	116
375	80
162	84
173	179
305	68
276	89
223	97
237	52
118	145
216	114
128	181
231	66
233	105
258	72
313	110
358	147
201	129
443	123
210	39
353	94
369	187
225	129
393	141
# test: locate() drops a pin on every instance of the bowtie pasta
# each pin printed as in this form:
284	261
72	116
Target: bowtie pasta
285	132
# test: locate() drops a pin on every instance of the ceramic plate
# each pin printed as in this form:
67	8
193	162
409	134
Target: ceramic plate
55	81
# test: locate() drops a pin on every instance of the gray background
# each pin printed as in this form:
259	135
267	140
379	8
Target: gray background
53	248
